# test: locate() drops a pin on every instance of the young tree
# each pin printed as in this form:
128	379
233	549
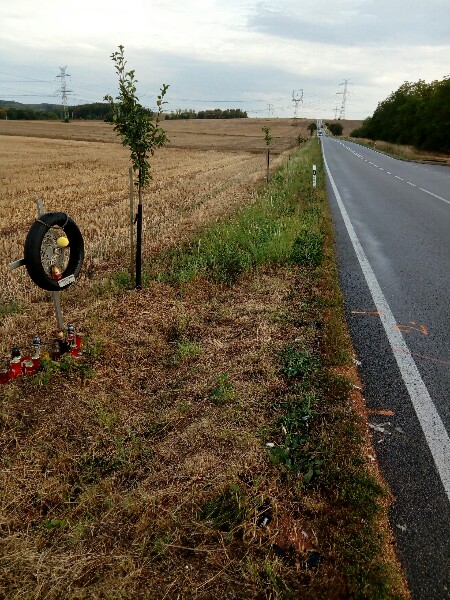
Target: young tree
140	133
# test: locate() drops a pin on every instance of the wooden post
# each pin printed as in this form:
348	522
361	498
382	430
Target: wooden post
268	165
131	223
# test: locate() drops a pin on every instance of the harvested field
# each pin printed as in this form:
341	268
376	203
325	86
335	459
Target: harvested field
89	181
234	135
228	134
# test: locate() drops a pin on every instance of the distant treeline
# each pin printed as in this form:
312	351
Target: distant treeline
98	111
27	114
417	114
216	113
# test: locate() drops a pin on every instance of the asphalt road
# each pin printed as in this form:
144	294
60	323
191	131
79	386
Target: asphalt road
392	222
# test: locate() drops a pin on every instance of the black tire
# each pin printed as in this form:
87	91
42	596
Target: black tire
32	250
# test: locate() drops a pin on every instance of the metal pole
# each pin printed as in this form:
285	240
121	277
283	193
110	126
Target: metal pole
139	244
57	303
131	223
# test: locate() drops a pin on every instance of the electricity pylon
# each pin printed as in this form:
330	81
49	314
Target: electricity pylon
344	98
63	91
297	97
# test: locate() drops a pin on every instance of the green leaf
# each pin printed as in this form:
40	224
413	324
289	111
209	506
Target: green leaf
309	475
133	122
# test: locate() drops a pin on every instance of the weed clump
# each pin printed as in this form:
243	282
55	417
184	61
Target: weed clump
307	250
69	366
222	392
297	362
227	511
275	230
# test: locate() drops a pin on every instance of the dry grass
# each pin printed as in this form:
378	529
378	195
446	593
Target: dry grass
89	181
235	135
170	449
405	152
244	134
231	135
149	479
109	487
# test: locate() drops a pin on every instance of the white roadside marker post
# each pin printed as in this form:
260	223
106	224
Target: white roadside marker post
314	176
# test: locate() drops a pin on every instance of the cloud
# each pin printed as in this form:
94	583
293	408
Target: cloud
356	22
227	50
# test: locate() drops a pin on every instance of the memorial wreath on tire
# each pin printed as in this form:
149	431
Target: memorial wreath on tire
54	251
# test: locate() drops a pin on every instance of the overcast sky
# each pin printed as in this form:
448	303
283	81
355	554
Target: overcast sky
251	54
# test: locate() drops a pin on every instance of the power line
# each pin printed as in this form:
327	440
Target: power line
4	96
210	101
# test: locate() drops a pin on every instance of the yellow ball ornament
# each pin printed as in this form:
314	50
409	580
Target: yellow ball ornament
62	242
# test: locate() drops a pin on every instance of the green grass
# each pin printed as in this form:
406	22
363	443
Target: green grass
316	445
226	511
9	308
298	362
222	391
276	229
186	350
69	366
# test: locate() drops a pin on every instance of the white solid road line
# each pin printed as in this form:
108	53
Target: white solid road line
431	423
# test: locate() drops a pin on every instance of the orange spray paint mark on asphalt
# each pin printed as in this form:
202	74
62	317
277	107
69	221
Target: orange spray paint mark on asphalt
424	356
413	327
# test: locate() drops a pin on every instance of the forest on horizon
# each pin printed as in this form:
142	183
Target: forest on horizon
417	114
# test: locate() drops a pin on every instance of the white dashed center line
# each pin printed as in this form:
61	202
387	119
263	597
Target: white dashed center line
389	173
